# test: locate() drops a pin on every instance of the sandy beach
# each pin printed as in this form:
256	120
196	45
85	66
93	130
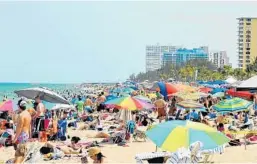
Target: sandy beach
119	154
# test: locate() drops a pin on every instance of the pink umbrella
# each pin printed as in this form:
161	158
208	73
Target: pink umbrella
6	106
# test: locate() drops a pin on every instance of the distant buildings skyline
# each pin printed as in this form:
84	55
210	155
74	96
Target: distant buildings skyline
219	58
159	55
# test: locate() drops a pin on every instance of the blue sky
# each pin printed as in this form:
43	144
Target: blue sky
71	42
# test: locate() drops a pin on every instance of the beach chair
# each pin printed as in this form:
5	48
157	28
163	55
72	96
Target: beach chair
182	155
195	152
152	157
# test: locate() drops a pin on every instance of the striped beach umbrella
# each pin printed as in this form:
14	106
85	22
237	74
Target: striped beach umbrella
172	135
189	104
232	105
129	103
143	98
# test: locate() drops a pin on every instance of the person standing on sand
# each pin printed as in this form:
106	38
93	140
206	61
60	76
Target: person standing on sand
100	101
160	105
22	132
80	106
40	114
88	105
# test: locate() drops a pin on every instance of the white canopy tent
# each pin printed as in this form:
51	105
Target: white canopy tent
231	80
248	84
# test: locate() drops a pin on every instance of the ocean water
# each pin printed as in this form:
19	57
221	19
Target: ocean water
7	89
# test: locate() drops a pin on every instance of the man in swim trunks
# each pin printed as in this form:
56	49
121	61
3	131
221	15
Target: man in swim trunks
160	105
22	132
88	105
100	101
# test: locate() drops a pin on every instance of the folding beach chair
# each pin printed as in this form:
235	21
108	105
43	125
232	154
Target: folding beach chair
152	157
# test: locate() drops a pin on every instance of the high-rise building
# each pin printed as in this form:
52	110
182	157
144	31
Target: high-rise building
247	41
157	56
154	56
219	58
182	55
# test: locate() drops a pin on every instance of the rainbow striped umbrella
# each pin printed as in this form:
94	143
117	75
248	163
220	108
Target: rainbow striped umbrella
172	135
140	97
232	105
129	103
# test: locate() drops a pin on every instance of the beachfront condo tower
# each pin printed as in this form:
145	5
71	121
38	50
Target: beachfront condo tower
154	55
247	41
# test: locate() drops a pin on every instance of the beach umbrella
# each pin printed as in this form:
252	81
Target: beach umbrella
164	88
232	105
190	95
128	90
143	98
218	94
6	106
183	87
172	135
44	94
205	89
129	103
189	104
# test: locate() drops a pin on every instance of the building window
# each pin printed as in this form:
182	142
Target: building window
248	40
240	53
248	53
249	20
248	49
248	32
241	49
248	36
248	24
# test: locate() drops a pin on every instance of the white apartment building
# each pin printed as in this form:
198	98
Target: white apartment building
219	58
154	55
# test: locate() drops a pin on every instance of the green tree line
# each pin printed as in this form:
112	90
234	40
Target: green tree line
205	71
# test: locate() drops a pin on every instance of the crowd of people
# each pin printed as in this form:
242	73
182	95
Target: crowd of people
91	113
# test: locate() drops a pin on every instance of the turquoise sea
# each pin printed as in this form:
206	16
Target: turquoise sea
7	89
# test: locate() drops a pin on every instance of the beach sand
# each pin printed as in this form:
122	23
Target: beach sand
118	154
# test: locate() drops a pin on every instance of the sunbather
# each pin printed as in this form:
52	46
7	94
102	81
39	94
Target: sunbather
96	155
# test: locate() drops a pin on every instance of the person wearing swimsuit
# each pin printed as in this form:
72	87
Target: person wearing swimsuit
40	114
22	132
160	105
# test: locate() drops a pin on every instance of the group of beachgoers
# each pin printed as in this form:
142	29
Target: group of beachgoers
91	113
